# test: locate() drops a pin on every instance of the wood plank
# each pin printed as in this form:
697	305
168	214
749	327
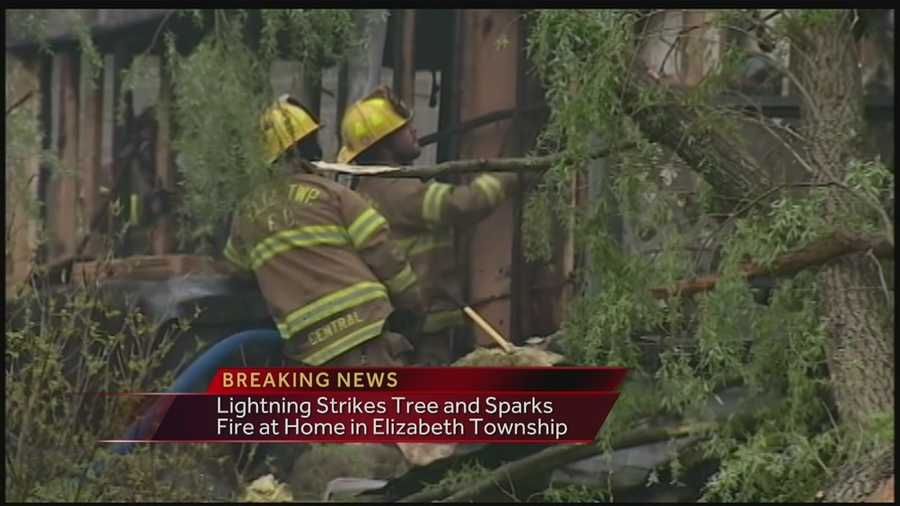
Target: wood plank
310	94
107	134
530	120
489	55
90	126
63	189
405	58
163	234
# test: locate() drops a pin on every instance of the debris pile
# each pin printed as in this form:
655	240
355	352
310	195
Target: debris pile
267	489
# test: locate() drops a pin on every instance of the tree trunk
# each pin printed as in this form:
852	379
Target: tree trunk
860	349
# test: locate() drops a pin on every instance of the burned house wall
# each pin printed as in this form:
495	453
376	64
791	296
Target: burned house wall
22	166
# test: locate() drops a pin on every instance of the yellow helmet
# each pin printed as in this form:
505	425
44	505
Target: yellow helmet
285	123
369	120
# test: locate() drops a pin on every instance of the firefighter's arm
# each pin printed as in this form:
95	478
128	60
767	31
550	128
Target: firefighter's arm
444	204
370	235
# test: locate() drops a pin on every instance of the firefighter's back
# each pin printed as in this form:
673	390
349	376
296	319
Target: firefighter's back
300	236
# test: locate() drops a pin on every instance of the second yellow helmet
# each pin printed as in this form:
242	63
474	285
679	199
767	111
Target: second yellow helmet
369	120
285	123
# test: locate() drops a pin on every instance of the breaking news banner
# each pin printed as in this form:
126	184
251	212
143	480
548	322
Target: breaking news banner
384	405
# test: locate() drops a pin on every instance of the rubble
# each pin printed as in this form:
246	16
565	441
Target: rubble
522	356
267	489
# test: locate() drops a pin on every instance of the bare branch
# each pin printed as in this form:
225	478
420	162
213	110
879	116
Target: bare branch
535	163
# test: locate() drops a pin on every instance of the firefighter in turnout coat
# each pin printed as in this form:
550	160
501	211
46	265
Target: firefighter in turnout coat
321	255
378	130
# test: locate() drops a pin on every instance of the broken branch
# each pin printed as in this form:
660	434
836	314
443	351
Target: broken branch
526	163
836	245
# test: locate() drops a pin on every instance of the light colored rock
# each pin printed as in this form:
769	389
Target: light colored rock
267	489
422	454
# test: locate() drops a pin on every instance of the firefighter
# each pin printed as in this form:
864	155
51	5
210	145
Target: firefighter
321	255
378	130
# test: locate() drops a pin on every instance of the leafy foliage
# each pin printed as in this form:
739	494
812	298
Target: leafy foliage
68	344
723	337
575	493
221	87
62	348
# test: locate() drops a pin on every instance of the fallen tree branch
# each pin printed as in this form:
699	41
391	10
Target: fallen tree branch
836	245
556	456
526	163
743	417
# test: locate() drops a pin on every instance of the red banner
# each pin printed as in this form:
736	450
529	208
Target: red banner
512	405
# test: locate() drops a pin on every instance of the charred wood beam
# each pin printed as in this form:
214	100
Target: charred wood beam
836	245
482	120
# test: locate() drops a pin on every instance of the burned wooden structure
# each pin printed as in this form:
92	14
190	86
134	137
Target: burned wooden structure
119	141
465	74
463	71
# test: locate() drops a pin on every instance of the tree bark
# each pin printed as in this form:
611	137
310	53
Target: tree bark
738	155
860	350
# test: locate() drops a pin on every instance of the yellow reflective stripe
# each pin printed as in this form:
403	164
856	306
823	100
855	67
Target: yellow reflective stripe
233	256
441	320
364	226
331	304
433	202
344	344
429	244
302	237
491	187
407	243
283	330
402	280
423	243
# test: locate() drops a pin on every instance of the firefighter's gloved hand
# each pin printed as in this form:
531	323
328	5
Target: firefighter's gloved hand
406	322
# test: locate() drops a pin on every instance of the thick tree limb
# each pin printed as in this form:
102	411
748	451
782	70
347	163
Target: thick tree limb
836	245
736	155
526	163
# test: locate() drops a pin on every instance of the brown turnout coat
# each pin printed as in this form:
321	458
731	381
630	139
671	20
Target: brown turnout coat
324	263
422	216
